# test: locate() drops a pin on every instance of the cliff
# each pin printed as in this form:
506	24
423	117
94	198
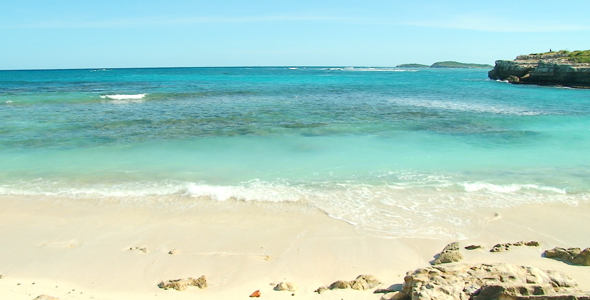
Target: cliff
553	68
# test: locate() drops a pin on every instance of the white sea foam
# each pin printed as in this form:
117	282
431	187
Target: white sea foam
509	188
427	207
123	96
251	191
466	107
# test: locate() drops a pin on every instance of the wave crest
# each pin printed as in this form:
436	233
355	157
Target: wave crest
428	208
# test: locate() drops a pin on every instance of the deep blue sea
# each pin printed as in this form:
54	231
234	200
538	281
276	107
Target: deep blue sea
395	152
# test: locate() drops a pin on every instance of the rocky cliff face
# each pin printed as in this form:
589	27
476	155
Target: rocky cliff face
542	70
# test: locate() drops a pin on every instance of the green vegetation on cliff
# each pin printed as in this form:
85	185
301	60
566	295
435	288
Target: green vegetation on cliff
455	64
578	56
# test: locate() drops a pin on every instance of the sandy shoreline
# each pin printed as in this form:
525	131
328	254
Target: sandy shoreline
81	250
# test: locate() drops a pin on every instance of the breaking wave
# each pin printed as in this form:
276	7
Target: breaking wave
432	208
124	99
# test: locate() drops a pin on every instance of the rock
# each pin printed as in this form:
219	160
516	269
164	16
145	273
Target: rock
384	291
506	246
450	253
183	284
286	286
393	296
501	247
486	281
542	69
362	282
321	289
340	284
513	79
142	249
1	276
511	291
571	255
583	258
255	294
473	247
173	252
45	297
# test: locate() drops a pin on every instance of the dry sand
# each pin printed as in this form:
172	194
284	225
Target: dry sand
73	249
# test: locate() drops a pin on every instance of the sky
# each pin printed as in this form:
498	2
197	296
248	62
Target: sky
59	34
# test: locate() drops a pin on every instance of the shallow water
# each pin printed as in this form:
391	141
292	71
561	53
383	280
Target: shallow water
396	152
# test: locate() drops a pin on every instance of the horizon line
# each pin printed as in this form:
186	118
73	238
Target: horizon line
219	67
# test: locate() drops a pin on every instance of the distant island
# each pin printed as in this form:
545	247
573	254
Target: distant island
412	66
561	68
447	64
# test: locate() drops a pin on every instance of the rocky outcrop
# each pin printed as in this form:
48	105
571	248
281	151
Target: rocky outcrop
286	286
553	69
451	253
574	256
506	246
488	281
362	282
183	284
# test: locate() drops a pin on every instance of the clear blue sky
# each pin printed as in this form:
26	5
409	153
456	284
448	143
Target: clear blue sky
181	33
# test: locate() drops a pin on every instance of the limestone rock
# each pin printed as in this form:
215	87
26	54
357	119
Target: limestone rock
321	289
501	247
393	296
45	297
511	291
183	284
473	247
340	284
486	281
574	256
513	79
362	282
365	282
583	258
286	286
546	69
506	246
450	253
384	291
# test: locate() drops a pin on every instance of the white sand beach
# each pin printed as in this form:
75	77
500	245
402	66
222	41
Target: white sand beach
111	250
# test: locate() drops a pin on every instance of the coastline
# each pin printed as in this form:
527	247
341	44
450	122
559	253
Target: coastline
80	249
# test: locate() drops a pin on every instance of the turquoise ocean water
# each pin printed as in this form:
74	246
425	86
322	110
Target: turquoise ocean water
395	152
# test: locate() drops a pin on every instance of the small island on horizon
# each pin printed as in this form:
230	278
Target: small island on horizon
447	64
